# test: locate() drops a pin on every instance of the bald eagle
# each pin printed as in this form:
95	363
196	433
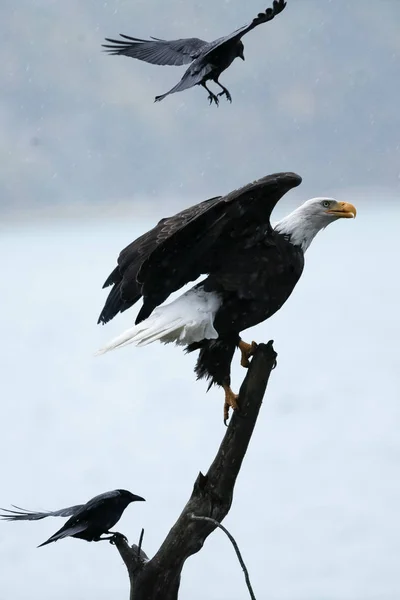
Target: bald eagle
250	269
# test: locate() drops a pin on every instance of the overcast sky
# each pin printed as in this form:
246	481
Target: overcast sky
89	162
318	94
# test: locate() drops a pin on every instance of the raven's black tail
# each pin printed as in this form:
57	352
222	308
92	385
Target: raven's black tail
187	81
215	358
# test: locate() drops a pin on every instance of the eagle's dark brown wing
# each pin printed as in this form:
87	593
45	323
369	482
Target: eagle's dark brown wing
126	289
180	249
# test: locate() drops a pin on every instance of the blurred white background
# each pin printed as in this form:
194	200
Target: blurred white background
316	504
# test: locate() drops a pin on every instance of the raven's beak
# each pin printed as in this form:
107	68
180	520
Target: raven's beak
137	498
242	57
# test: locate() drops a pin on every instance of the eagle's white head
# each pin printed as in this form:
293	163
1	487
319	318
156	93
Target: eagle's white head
303	224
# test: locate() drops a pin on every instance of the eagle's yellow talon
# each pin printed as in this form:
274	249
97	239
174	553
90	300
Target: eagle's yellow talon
246	350
230	401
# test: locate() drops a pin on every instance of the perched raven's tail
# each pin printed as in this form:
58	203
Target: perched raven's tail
215	358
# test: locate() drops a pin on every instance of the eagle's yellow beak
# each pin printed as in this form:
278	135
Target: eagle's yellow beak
344	210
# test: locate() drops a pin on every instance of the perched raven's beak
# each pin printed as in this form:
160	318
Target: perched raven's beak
242	56
137	498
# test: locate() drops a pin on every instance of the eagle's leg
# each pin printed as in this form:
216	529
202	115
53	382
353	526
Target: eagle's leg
224	92
211	97
230	401
246	350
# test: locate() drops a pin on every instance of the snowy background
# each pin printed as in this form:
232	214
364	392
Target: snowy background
88	163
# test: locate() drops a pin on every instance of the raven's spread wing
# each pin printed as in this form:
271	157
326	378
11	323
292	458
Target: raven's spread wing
21	514
156	51
199	245
203	66
263	17
126	289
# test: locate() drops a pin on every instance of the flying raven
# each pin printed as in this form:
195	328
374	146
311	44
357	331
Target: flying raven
250	266
209	59
88	521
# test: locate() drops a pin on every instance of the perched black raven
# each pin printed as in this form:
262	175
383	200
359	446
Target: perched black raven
209	59
88	521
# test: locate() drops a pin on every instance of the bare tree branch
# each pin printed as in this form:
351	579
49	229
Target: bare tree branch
236	547
133	556
159	578
139	547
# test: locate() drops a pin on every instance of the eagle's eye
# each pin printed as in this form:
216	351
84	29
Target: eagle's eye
326	204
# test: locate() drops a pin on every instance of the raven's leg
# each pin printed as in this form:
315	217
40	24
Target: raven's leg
246	350
117	536
224	92
211	97
110	537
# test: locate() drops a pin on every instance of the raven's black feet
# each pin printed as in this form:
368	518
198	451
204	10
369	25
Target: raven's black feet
117	537
213	98
226	94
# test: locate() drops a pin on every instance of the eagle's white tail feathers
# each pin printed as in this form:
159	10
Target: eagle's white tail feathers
187	319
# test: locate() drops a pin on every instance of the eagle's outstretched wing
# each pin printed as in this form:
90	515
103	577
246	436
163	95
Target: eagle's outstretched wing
126	289
180	249
157	51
